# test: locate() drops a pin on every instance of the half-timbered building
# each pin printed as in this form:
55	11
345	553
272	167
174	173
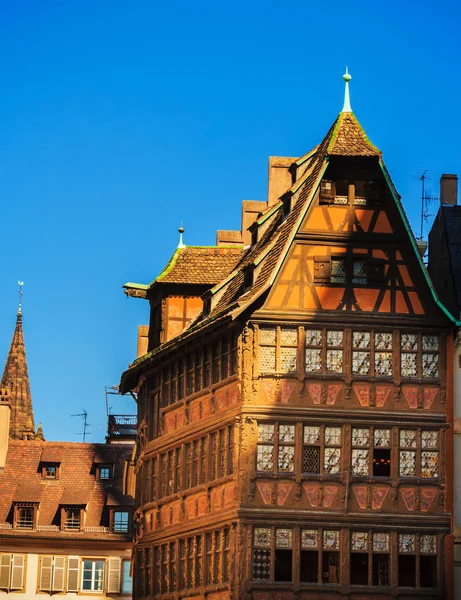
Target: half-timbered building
295	437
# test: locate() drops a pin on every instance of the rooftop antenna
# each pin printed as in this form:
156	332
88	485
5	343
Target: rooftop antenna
110	390
83	414
20	283
181	231
426	199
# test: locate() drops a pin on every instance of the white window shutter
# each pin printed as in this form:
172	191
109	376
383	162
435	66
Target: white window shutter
113	576
5	566
58	573
17	572
46	568
72	573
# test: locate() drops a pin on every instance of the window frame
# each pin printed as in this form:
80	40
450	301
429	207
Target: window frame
29	506
92	560
114	528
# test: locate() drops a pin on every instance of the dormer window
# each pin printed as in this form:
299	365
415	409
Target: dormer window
286	206
207	306
25	515
49	470
254	236
248	278
120	520
104	471
71	518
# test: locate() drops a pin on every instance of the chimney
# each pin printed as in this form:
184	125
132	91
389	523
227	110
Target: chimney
143	339
5	410
449	189
251	209
279	177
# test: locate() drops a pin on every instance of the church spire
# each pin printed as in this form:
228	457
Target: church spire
16	379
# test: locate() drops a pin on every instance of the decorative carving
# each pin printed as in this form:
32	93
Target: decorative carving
360	492
427	498
314	390
363	394
332	393
409	497
382	393
379	495
411	396
429	396
372	395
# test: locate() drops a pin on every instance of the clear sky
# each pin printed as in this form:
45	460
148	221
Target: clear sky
119	119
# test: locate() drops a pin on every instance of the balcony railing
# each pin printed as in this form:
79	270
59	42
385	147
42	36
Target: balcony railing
123	426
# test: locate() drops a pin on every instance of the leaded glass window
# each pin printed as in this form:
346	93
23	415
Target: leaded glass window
361	353
338	270
275	440
426	349
359	271
360	451
334	351
267	349
407	463
288	349
262	539
427	544
407	543
283	538
318	442
429	464
286	453
359	541
309	539
381	542
330	540
313	351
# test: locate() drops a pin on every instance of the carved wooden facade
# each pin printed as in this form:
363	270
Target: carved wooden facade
296	440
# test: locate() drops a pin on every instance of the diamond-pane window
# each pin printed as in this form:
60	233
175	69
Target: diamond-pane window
313	360
311	459
430	342
360	437
429	439
332	436
288	359
407	464
265	458
313	337
309	539
360	461
408	438
407	543
287	434
409	341
286	458
335	361
332	460
427	544
334	338
408	365
261	564
338	270
382	438
267	359
383	341
429	464
330	540
267	335
361	363
266	432
359	541
283	538
359	273
383	363
381	542
361	339
311	434
289	336
430	365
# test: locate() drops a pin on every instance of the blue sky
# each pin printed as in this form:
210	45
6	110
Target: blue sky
119	119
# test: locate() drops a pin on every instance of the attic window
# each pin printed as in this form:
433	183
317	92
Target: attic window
254	236
104	471
25	514
248	278
286	206
367	192
71	518
207	306
120	521
49	470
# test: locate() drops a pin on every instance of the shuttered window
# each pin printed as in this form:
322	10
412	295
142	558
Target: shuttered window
113	578
12	571
52	573
72	573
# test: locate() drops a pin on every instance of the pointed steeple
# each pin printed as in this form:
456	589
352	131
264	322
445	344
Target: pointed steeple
16	379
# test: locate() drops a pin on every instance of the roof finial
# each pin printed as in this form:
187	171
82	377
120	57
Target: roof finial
347	100
181	231
20	283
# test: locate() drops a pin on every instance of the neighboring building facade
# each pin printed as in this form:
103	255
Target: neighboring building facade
445	271
65	508
295	438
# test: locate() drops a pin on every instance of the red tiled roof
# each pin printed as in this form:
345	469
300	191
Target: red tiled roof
200	265
21	481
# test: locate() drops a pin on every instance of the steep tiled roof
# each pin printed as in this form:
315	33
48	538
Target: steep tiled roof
202	265
349	139
21	481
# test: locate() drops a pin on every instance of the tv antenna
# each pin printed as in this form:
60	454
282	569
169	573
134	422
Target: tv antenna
83	414
426	199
